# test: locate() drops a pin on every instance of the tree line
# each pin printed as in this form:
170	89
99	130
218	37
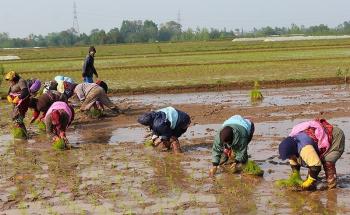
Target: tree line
137	31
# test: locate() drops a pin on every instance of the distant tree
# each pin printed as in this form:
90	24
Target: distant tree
149	31
113	36
170	31
131	31
98	36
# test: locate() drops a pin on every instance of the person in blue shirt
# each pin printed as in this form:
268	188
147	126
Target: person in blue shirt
167	125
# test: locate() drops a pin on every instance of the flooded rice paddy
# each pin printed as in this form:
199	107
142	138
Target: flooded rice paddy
111	172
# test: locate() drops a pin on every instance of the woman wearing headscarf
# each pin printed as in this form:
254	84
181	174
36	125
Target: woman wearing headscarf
233	137
18	95
34	85
167	125
59	116
312	144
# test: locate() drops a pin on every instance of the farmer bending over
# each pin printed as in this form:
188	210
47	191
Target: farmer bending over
18	95
234	136
313	144
44	102
59	116
167	125
93	95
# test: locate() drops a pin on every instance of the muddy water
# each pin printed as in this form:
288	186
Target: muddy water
111	172
280	97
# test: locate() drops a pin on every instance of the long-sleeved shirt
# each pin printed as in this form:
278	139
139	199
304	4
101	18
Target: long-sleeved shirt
83	89
170	122
46	100
19	88
88	67
239	144
308	151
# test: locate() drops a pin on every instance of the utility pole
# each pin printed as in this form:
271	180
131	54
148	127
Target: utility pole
75	27
178	17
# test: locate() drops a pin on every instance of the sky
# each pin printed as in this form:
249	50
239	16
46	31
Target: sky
20	18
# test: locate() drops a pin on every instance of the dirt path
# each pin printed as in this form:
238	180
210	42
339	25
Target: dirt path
111	172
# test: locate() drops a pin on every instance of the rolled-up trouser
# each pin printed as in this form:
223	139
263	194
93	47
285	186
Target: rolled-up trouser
19	112
97	94
337	147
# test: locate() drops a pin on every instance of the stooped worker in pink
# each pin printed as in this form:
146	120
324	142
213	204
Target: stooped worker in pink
313	144
59	116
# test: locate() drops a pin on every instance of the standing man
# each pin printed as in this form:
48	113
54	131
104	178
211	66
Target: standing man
88	67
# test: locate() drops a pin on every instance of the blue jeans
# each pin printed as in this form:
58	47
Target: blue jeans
88	80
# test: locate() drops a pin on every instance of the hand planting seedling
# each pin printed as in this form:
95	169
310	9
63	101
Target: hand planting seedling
294	181
19	133
251	168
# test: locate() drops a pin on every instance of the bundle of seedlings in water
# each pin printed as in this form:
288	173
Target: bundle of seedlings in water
19	133
294	181
41	126
252	168
148	143
95	113
59	144
255	93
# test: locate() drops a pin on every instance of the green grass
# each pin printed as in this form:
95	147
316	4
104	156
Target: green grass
138	66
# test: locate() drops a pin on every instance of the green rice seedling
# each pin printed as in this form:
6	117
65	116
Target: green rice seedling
343	73
41	126
251	168
293	181
95	113
255	93
59	144
19	133
148	143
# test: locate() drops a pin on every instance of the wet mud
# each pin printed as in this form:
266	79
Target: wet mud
111	172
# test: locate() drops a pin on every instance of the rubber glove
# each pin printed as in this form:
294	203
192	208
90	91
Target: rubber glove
15	100
308	182
9	99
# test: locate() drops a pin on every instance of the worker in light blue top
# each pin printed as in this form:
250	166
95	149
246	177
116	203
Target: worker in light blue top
233	138
167	125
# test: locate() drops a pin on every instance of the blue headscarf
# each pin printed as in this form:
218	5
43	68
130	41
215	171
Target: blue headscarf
288	147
